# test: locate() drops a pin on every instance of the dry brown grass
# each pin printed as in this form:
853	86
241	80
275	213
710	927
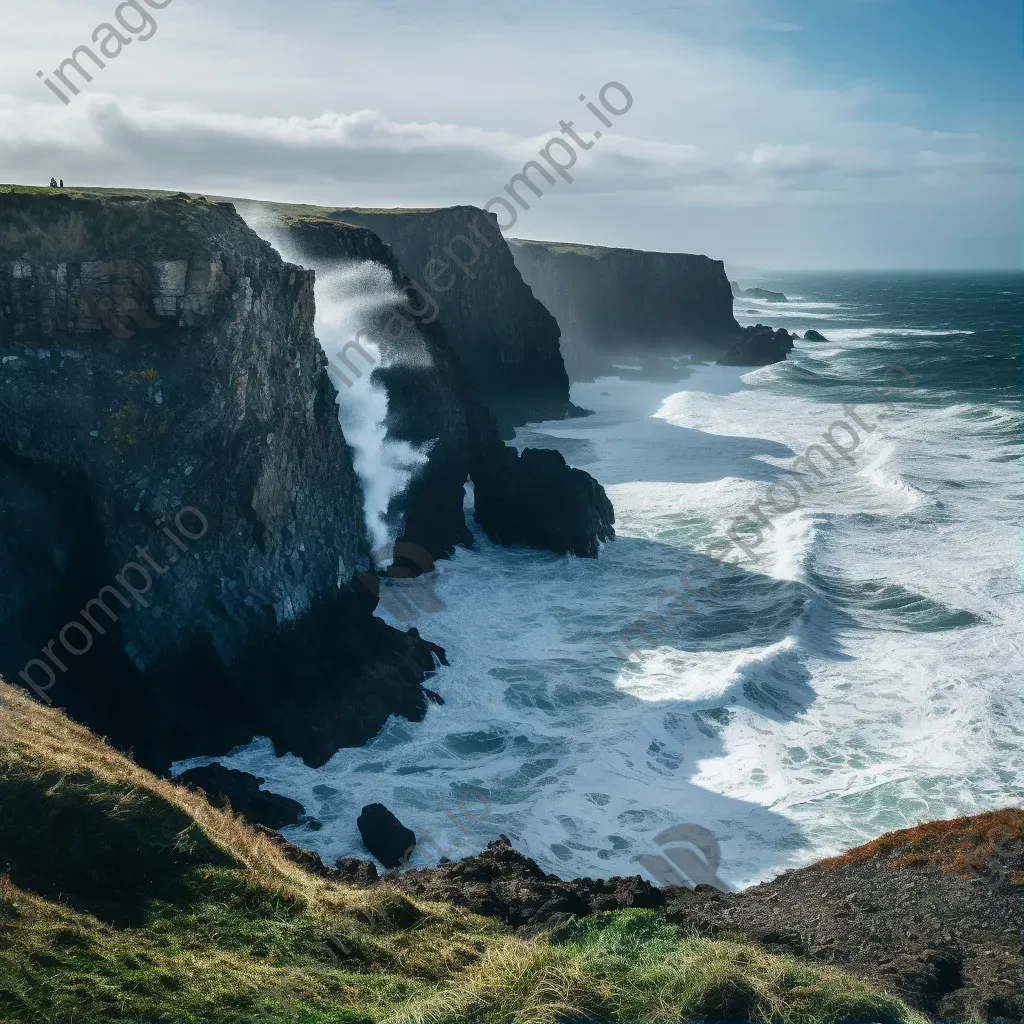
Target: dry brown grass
47	738
962	845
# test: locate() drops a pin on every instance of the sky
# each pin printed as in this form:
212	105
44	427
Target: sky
776	134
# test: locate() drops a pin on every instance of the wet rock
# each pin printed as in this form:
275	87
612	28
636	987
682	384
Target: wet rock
814	336
242	791
537	500
385	836
759	346
764	293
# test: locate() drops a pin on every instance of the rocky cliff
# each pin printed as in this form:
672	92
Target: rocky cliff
422	376
181	516
186	561
464	278
435	402
625	302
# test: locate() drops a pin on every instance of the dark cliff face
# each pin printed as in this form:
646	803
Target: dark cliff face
169	432
625	302
465	279
534	499
423	380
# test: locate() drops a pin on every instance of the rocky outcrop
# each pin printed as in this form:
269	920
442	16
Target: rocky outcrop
814	336
536	500
757	293
434	403
463	278
182	518
500	882
226	787
934	913
385	836
758	346
624	302
504	884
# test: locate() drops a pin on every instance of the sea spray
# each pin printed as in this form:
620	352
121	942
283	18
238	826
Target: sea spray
354	299
349	301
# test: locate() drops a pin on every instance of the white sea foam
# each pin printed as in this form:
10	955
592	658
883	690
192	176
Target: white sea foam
864	333
862	675
347	301
350	298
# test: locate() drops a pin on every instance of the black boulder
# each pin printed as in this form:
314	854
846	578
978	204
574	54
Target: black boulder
385	836
242	791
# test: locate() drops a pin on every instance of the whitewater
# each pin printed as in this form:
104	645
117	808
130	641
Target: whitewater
862	675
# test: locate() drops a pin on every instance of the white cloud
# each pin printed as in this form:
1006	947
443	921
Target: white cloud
356	103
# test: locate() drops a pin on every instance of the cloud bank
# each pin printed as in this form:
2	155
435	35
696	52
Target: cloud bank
729	151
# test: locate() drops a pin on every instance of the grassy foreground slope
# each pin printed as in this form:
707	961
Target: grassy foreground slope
126	898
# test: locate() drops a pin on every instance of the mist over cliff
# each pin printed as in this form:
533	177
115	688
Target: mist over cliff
464	278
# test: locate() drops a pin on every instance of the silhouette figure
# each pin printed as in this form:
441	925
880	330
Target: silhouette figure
53	183
61	182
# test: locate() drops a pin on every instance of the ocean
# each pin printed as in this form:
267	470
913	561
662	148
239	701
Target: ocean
861	674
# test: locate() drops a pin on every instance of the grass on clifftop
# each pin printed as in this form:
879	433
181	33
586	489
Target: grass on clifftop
128	898
278	210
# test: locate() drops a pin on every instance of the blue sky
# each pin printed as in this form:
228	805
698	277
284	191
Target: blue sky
770	133
956	55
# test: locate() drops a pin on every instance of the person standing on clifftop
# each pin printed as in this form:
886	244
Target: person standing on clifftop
61	182
53	183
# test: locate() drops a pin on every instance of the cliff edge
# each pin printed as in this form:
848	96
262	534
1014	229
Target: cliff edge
628	304
463	277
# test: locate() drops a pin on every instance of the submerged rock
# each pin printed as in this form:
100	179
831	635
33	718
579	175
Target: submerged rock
385	836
